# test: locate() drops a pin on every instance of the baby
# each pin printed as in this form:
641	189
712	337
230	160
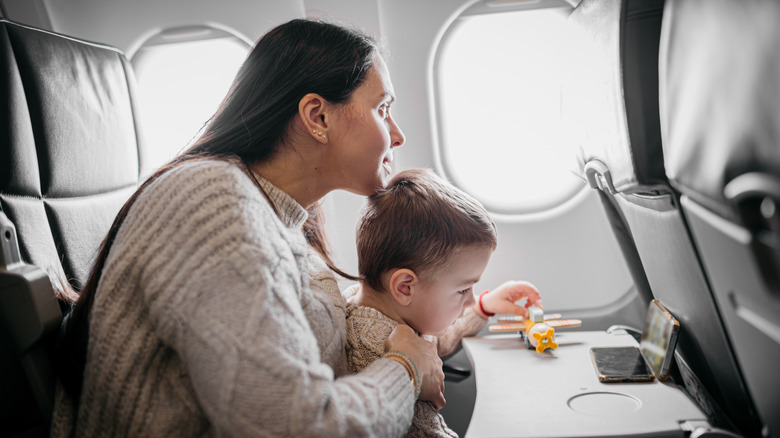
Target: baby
422	245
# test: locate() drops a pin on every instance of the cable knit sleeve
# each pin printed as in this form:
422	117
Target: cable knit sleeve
467	325
223	283
367	330
325	310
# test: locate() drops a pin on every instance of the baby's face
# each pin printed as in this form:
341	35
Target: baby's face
441	296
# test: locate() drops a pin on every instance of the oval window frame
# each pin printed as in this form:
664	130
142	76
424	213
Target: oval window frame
514	210
157	156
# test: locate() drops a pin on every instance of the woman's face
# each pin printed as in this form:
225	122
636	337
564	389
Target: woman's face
366	134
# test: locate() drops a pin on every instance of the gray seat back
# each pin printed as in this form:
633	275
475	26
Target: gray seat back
611	106
70	148
69	158
720	106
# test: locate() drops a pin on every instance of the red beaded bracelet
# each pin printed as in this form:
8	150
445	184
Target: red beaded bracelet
481	308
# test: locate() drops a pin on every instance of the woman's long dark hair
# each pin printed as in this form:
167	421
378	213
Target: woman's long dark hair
293	59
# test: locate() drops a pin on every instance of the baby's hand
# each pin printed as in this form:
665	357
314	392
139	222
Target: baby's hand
502	299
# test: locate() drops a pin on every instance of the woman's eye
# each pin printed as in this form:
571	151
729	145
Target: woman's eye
384	111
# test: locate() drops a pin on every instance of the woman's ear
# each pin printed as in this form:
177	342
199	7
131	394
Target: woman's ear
401	285
313	112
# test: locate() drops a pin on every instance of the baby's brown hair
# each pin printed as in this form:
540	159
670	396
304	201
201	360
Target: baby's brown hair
417	222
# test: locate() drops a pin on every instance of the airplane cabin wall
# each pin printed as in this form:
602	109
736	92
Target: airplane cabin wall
127	24
569	252
32	12
357	13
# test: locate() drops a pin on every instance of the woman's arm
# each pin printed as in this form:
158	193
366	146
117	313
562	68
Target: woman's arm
325	310
231	312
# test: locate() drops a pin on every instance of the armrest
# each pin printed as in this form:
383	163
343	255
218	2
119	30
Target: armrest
455	374
636	334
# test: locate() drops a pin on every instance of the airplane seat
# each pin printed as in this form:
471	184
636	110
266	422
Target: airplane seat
69	158
611	110
720	118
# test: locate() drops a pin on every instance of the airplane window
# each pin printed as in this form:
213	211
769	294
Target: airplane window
182	76
497	80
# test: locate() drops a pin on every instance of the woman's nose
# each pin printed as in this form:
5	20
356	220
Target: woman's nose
397	137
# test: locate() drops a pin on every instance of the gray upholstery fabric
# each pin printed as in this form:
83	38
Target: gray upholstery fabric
611	105
720	94
70	146
610	113
720	114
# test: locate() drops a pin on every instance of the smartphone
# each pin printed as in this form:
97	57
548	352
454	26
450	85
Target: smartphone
659	338
620	364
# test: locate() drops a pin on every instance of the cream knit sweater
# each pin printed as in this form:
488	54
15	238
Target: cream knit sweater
204	325
367	331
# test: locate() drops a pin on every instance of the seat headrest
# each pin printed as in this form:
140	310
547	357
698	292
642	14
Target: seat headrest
720	95
610	99
69	146
70	114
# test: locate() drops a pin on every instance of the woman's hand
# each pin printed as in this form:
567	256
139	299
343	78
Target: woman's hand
425	358
503	298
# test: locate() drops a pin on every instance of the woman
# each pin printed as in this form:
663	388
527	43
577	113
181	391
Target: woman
198	318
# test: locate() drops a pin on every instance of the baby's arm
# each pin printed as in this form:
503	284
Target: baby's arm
367	332
467	325
501	300
428	423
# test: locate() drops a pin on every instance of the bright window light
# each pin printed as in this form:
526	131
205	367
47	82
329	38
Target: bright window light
498	106
180	86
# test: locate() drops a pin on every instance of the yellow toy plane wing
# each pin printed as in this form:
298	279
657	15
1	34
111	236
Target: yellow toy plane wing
564	323
500	328
515	318
519	326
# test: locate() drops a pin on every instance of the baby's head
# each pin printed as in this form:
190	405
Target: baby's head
425	243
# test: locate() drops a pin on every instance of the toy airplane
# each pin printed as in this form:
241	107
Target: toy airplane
537	330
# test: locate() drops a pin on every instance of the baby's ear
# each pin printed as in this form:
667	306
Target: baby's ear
400	285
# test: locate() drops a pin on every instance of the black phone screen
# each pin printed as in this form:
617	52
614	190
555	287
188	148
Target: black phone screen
620	364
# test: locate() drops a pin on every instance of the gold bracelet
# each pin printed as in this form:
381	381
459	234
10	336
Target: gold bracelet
413	379
410	367
403	362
